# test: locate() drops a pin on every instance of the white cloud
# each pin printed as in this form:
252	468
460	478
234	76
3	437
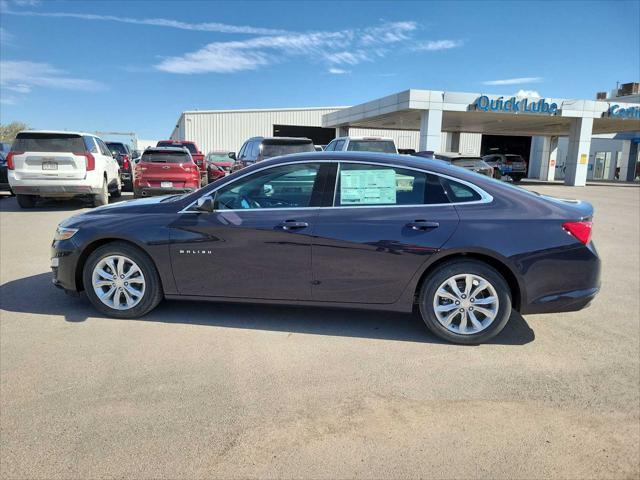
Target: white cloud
345	47
158	22
514	81
527	94
435	45
338	71
21	77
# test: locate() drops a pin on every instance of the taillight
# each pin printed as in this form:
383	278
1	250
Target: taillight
91	160
125	162
10	156
580	230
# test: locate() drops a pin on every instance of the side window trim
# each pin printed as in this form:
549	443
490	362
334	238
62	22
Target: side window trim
485	197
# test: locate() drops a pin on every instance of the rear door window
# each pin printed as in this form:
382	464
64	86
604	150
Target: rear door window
48	142
103	148
339	145
362	185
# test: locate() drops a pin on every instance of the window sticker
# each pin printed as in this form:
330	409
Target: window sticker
367	187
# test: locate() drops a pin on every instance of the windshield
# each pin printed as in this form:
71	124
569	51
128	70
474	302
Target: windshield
274	150
116	147
189	146
48	142
165	157
383	146
218	158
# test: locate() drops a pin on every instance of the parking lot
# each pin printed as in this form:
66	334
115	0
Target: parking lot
197	390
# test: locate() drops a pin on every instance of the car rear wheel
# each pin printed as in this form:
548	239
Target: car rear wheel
466	302
117	193
101	198
26	201
121	281
516	178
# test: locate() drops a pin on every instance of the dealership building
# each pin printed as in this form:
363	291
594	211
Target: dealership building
573	140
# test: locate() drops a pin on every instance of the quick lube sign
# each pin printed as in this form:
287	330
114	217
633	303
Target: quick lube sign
515	105
616	111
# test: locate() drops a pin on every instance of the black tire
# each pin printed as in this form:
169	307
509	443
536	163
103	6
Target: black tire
26	201
102	198
458	267
153	288
516	178
136	193
117	193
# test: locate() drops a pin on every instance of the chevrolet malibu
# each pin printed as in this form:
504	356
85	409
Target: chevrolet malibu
345	229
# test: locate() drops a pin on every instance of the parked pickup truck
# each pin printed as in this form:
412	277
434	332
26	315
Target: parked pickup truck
196	154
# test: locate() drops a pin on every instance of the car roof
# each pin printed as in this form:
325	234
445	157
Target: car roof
66	132
410	161
366	137
283	139
176	141
457	155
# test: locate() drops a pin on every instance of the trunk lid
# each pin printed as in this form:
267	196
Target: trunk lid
39	155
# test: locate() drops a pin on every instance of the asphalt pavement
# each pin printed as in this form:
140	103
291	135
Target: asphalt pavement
204	390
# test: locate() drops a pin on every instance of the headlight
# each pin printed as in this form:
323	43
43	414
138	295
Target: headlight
63	233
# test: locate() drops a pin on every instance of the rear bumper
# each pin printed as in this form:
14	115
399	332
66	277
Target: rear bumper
56	190
150	191
563	302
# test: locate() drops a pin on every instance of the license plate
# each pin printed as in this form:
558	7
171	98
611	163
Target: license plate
166	184
49	166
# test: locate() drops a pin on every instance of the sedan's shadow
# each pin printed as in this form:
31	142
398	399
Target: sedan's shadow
37	295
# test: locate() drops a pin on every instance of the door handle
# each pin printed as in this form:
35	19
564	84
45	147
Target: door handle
292	225
422	225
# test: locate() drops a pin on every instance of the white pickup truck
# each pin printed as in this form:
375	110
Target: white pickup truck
57	164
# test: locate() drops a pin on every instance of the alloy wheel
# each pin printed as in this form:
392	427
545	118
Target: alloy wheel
118	282
466	304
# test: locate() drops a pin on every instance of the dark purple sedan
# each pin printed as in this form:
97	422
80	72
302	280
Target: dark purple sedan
347	229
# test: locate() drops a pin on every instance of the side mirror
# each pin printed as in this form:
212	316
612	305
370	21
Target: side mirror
232	155
205	204
114	155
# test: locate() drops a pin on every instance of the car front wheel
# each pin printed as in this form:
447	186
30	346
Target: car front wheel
121	281
466	302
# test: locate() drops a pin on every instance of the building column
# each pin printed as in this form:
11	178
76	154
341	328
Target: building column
549	159
342	132
627	161
578	152
431	130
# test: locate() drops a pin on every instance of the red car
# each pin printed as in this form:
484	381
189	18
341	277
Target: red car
164	170
195	152
218	164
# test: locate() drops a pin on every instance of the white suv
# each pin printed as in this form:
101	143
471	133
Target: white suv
362	144
61	165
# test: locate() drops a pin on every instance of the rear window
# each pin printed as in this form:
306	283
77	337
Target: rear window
459	192
383	146
116	147
48	142
164	157
274	150
189	146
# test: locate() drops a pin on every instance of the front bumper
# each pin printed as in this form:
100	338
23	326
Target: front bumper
64	261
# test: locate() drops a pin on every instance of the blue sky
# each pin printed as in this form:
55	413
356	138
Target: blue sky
134	66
